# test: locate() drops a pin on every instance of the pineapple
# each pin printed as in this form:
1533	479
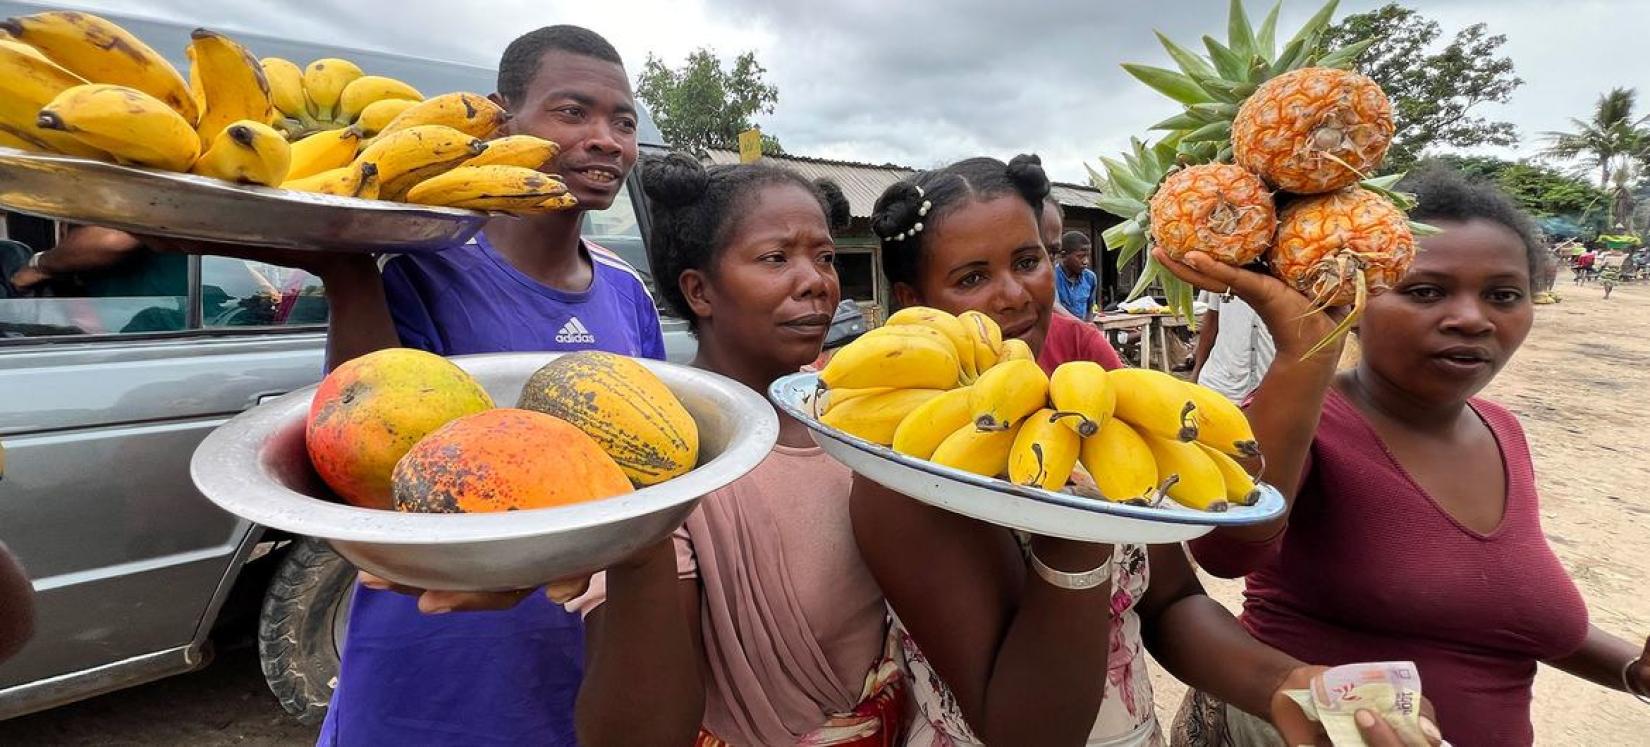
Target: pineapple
1340	248
1258	113
1313	130
1220	209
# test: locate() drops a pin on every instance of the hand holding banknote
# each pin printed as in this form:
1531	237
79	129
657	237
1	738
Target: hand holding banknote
1375	704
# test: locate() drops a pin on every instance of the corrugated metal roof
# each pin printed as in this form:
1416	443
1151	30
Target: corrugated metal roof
863	183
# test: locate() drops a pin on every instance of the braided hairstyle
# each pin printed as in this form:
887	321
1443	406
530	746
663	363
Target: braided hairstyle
906	213
695	209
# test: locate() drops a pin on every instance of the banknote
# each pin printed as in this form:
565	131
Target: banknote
1391	689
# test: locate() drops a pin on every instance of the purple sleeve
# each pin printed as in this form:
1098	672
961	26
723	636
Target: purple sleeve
413	323
650	331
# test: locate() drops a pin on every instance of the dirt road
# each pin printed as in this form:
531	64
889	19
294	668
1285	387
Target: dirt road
1577	385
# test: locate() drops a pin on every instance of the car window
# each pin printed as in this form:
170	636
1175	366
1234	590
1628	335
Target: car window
619	229
244	293
131	290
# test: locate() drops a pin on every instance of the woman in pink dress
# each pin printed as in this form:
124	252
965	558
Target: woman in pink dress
790	636
1414	531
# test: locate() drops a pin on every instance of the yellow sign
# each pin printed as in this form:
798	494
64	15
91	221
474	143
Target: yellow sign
750	145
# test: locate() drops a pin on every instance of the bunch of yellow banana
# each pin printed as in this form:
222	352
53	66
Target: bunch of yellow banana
77	84
949	389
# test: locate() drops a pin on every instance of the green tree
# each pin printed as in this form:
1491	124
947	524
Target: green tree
1547	194
1433	90
701	105
1612	140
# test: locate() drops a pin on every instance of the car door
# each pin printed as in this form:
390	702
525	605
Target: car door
108	387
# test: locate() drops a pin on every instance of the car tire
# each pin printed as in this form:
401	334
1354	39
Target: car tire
301	627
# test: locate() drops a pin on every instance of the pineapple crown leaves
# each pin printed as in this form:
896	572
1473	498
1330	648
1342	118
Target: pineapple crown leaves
1234	69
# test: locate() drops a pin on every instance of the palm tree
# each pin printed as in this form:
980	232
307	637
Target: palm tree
1611	139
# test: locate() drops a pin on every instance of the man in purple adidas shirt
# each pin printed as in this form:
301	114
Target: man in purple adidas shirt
415	671
446	668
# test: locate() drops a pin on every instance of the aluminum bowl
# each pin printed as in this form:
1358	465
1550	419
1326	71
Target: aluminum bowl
255	466
161	203
1003	503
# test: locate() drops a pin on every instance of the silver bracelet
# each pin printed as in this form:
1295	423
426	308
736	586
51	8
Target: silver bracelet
1627	683
1075	581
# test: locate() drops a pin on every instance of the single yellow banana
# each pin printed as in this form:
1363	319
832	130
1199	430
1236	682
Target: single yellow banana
559	202
286	88
921	432
324	151
1015	349
944	323
502	188
829	398
1240	485
980	452
232	83
1044	452
469	113
130	125
910	330
987	337
28	82
102	52
247	151
875	417
898	361
517	150
1154	402
407	157
358	179
324	82
379	114
1006	393
1120	462
1191	478
369	88
1082	389
1221	423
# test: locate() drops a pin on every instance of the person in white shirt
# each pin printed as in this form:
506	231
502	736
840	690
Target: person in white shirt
1233	347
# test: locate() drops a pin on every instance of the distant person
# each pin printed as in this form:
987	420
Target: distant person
1051	223
1076	284
1584	266
1233	347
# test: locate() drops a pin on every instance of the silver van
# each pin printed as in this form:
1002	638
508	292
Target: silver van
109	379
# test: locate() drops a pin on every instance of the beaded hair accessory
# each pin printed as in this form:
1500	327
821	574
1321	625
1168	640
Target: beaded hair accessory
922	212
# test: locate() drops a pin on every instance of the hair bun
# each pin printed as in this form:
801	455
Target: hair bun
1026	171
838	213
673	180
897	210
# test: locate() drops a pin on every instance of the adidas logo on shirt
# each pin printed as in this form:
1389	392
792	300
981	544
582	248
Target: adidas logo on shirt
574	332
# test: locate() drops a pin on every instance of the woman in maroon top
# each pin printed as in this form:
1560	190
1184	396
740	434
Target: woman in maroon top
1413	531
1017	640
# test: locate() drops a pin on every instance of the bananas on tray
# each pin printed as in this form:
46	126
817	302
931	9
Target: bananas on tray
75	84
949	389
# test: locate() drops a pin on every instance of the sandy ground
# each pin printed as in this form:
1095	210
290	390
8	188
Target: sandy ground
1577	385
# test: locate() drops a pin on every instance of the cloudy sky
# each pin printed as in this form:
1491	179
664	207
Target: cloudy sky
924	82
